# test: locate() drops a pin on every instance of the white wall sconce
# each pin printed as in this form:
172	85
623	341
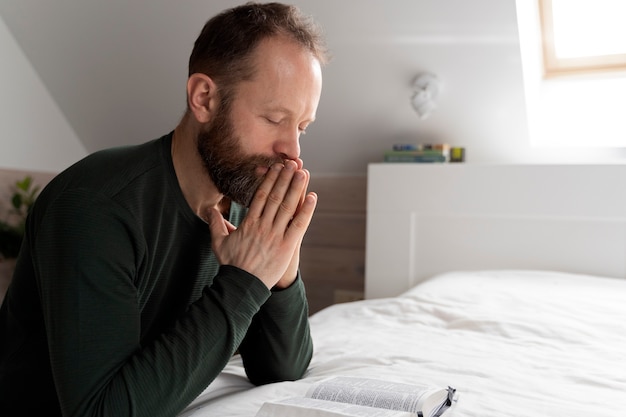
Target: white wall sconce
426	88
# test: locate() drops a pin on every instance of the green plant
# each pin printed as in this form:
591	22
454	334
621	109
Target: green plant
12	232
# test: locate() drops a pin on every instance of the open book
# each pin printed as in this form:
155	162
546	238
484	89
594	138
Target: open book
350	396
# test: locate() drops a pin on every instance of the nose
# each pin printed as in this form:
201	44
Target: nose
288	145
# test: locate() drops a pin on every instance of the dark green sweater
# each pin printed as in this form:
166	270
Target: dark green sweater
118	306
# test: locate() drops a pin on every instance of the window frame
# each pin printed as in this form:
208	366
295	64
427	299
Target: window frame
554	66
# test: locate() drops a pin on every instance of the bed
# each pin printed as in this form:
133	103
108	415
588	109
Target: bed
503	281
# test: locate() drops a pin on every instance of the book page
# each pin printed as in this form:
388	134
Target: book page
309	407
372	393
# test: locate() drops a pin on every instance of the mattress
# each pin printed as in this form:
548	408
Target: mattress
512	343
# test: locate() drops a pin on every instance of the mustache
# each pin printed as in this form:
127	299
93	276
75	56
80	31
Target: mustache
240	181
268	161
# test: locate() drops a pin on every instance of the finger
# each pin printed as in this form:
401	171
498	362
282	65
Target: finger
292	200
259	200
307	177
218	226
304	190
300	223
282	189
229	226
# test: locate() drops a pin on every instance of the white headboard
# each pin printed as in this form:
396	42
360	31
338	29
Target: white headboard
424	219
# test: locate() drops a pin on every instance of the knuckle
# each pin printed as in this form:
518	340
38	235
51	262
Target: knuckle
261	195
285	207
246	223
298	223
264	231
275	198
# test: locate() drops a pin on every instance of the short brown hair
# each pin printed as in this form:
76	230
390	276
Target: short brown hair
225	45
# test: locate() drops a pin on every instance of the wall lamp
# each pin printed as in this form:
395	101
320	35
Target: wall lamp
426	88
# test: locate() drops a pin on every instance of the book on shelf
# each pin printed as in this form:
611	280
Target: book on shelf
442	147
366	397
425	156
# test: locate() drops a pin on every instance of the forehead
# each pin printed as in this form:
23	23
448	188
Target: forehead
284	69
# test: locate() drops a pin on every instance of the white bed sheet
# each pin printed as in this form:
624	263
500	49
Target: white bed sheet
513	343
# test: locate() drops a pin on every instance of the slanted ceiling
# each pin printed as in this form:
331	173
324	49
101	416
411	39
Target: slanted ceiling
117	70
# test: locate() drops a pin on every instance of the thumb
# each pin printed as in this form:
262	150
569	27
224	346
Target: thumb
218	226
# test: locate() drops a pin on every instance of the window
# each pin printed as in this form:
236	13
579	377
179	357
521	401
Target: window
578	116
583	35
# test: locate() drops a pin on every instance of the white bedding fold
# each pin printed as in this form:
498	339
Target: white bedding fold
513	343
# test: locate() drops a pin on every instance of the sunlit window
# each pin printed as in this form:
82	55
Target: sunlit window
575	112
583	35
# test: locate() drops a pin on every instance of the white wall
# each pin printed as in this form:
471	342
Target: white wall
132	58
472	46
117	72
35	136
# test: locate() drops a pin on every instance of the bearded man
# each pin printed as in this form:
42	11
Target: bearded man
145	268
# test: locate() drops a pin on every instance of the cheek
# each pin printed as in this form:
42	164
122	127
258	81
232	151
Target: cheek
256	138
255	135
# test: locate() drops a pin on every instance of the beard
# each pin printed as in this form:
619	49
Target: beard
232	171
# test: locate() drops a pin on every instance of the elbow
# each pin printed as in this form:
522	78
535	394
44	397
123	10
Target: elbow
277	375
285	370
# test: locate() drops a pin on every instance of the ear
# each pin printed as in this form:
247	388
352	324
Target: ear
201	96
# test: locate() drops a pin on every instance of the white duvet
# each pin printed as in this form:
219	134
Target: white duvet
513	343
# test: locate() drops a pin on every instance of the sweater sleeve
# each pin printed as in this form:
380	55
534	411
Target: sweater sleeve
86	256
278	345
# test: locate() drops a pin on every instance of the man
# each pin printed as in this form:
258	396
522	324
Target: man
143	269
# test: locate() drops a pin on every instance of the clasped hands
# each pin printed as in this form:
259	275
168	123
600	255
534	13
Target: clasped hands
267	242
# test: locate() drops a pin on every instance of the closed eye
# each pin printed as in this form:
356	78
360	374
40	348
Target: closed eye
275	122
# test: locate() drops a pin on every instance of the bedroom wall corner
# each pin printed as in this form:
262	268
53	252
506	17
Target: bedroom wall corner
35	134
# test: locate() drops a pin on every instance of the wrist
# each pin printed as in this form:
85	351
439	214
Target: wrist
285	282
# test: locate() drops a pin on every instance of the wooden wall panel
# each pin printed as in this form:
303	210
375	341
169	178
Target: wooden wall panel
328	271
333	250
336	230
